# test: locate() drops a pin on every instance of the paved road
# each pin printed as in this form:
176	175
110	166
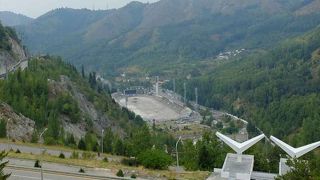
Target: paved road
21	64
59	167
18	174
24	169
33	150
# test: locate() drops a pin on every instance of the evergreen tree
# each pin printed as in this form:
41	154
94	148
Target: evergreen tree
82	71
3	129
300	169
2	165
119	148
108	141
54	128
203	159
82	144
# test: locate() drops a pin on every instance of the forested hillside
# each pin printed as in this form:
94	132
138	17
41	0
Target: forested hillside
278	90
160	36
13	19
5	34
41	93
48	93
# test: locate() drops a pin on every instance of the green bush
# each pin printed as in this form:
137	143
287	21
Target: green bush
155	159
87	155
37	164
61	155
74	155
81	170
3	131
120	173
129	162
133	176
105	159
50	141
18	151
82	144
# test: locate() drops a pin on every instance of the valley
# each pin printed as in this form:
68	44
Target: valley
163	90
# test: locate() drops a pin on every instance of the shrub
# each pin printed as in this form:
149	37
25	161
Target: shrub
82	145
3	131
74	155
105	159
120	173
50	141
133	176
18	151
3	164
62	156
87	155
81	170
129	162
37	164
155	159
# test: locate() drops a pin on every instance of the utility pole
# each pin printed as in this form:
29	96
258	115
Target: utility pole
177	152
102	131
174	85
41	152
196	94
8	134
185	93
157	86
126	101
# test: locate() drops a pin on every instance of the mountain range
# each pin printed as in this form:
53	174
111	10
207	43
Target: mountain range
163	35
12	19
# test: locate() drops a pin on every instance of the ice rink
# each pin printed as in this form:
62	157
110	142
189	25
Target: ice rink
151	107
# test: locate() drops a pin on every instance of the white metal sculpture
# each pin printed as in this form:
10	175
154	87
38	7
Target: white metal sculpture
295	152
239	147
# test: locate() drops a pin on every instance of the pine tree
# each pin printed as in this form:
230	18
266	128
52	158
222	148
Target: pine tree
82	72
82	144
300	169
3	129
2	165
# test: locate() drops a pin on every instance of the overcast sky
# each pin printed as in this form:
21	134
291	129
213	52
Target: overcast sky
35	8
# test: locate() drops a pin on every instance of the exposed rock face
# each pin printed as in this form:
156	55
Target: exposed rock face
18	126
86	107
17	55
17	49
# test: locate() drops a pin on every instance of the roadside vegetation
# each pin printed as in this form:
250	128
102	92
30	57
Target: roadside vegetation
3	176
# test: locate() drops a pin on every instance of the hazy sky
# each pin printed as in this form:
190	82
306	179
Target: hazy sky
35	8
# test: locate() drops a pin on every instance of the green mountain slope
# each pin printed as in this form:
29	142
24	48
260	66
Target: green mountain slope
54	95
278	90
13	19
165	34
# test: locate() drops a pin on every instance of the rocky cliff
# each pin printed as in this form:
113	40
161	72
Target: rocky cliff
18	126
